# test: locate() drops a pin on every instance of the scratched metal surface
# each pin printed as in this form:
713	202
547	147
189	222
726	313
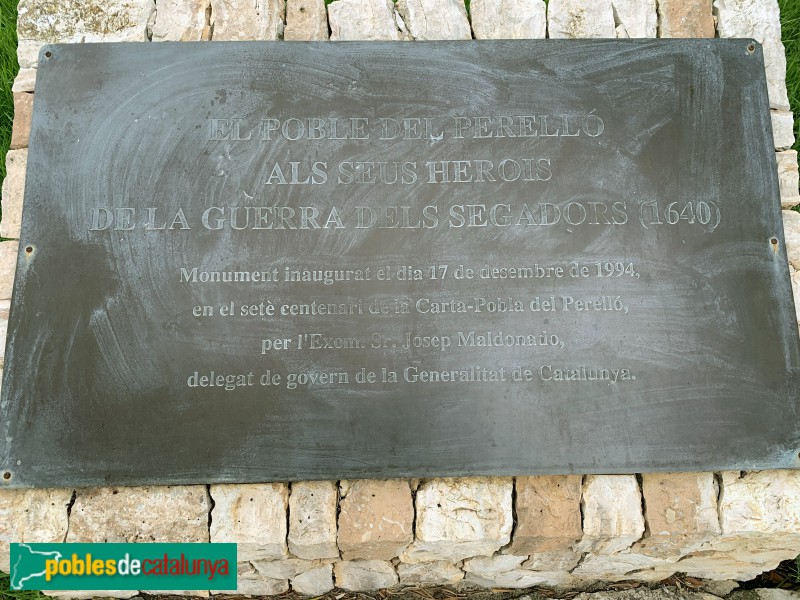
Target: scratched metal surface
103	338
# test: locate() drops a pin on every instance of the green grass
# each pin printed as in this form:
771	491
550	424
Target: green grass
8	70
7	594
794	570
790	32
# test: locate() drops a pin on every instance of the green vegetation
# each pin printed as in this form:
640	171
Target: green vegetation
790	34
790	30
7	594
8	70
794	571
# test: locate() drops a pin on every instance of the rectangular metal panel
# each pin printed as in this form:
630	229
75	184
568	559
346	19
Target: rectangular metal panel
282	261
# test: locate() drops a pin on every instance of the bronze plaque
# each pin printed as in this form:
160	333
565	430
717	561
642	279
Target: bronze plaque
288	261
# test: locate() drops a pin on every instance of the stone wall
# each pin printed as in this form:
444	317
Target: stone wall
362	535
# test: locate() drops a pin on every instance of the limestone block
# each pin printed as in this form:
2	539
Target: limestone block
760	523
685	19
489	566
461	518
782	129
508	19
552	561
520	578
306	20
312	519
363	20
140	514
181	20
763	502
720	588
791	233
23	109
624	566
580	19
612	513
364	575
788	178
13	192
5	308
25	80
376	519
548	513
790	201
250	582
760	20
38	515
8	265
247	19
430	573
253	516
681	513
286	568
42	22
635	18
796	292
314	582
741	566
435	19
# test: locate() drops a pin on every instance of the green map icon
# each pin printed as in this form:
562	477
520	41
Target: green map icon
28	566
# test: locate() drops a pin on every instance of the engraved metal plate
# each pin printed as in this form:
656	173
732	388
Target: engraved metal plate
281	261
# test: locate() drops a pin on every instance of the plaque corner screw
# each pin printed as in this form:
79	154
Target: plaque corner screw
6	476
48	54
751	47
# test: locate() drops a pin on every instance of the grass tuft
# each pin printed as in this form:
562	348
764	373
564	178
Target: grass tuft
8	70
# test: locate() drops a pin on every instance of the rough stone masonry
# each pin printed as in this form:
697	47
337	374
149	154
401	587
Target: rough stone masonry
363	535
